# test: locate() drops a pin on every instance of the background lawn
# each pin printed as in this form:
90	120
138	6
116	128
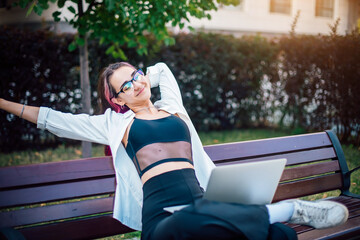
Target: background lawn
63	152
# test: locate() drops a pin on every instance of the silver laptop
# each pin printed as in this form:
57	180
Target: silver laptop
247	183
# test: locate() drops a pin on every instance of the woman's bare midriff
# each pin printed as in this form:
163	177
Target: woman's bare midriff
163	168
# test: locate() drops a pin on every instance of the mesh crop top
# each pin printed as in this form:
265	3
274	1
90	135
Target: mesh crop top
152	142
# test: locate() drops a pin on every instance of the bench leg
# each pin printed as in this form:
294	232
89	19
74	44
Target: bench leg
10	234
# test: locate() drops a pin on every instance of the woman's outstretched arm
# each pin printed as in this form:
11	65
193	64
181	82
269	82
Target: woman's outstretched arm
74	126
27	112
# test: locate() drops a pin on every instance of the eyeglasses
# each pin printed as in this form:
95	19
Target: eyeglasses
128	86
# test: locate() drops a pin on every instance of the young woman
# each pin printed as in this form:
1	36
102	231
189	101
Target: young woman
160	162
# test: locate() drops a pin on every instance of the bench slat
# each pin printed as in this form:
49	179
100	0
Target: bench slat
242	150
56	212
55	171
353	205
349	230
300	228
349	201
292	158
346	231
353	213
78	229
56	192
308	187
310	170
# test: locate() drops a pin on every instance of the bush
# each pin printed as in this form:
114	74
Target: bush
320	76
226	82
220	77
36	69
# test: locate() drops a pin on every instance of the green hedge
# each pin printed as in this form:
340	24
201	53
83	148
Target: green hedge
309	82
321	77
220	78
36	69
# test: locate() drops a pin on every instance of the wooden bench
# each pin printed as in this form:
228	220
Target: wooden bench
73	199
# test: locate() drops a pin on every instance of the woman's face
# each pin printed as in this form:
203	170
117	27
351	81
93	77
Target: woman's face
139	91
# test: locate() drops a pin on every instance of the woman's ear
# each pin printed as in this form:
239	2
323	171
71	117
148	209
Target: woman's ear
118	101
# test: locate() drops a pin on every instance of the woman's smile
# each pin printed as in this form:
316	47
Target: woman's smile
140	91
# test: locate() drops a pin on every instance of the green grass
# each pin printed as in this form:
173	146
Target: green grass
61	153
216	137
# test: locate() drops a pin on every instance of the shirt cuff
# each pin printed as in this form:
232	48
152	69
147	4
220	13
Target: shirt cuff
41	121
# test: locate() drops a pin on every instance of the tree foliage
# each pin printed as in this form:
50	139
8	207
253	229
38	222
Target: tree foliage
124	23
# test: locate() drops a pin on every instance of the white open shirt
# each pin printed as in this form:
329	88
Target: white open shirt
109	129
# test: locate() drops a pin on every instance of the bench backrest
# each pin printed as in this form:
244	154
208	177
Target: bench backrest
66	190
82	190
316	162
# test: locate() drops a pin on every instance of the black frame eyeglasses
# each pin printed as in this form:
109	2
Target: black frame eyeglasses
128	85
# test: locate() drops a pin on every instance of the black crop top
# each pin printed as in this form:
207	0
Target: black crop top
152	142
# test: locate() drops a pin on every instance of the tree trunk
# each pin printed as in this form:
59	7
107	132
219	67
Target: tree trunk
86	93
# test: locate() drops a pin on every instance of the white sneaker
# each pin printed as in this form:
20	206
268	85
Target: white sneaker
318	214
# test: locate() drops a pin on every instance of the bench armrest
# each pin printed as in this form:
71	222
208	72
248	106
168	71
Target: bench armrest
348	174
351	171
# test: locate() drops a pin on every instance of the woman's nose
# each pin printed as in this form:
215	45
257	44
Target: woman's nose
137	85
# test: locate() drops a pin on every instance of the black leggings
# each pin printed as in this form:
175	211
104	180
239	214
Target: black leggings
202	219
